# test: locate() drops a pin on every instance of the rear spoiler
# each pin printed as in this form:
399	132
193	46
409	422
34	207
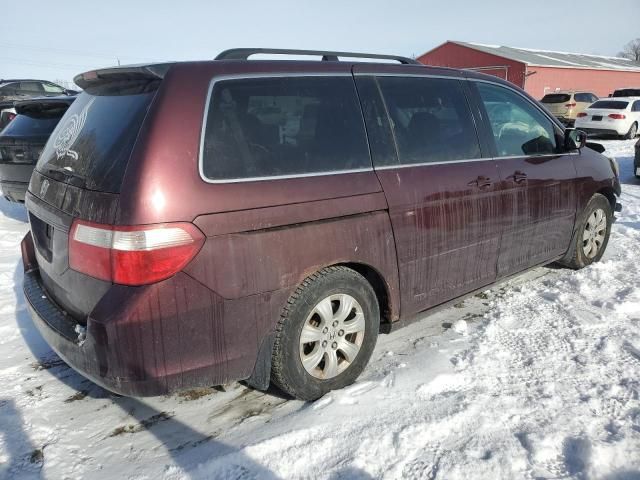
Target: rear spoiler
125	73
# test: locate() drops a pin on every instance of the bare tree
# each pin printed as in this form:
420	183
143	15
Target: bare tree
631	50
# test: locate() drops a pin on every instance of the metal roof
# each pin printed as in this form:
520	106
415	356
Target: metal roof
546	58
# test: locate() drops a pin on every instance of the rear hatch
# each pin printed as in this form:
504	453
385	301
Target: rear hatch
22	141
80	173
558	104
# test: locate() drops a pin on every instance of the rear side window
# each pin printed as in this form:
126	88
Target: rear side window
557	98
519	128
271	127
91	145
431	119
610	104
31	88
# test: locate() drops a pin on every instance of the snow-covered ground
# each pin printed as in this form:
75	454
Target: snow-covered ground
538	378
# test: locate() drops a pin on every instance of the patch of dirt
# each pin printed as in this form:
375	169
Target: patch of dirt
196	393
78	396
48	364
143	425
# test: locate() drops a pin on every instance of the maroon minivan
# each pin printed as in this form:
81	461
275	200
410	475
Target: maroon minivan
263	220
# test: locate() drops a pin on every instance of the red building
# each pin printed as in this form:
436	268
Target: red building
539	71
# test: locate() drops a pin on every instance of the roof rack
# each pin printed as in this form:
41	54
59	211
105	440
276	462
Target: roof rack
327	56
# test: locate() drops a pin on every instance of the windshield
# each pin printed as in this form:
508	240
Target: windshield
610	104
93	142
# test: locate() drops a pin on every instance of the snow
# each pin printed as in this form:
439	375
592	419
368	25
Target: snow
536	378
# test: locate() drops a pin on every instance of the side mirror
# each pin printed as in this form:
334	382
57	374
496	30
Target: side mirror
574	139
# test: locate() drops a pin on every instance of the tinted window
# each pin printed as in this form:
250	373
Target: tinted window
627	92
431	119
8	89
264	127
92	143
610	104
556	98
583	97
636	106
519	128
31	125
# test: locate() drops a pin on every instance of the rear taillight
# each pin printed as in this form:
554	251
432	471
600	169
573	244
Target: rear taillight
617	116
570	105
581	114
136	255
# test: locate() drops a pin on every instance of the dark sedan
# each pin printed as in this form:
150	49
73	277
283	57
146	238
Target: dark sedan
24	138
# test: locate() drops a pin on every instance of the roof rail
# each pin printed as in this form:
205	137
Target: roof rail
327	56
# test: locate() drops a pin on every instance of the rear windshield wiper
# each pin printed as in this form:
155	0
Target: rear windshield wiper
67	175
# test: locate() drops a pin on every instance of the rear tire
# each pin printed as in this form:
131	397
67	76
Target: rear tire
632	133
591	234
337	311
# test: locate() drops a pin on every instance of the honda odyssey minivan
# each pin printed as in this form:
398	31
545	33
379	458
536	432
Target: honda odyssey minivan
270	221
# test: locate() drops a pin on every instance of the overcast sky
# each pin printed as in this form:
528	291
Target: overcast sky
56	40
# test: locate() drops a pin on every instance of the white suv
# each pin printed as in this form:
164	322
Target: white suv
612	116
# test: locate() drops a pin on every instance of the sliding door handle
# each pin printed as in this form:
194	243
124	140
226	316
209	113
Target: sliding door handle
480	182
518	177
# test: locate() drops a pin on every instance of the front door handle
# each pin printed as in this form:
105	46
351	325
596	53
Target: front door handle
480	182
518	177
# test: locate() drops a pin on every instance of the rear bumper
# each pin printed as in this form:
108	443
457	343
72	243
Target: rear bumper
569	122
147	341
593	132
14	191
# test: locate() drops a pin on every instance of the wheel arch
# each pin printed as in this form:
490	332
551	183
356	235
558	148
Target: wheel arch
380	287
610	193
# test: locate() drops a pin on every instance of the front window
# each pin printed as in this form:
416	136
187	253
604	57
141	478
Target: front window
51	88
519	128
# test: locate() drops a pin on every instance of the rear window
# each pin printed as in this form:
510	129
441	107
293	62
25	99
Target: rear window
610	104
556	98
627	92
31	125
92	144
272	127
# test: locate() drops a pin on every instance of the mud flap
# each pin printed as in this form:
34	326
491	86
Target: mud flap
261	376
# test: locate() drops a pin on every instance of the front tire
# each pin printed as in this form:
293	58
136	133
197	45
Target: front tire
326	333
591	235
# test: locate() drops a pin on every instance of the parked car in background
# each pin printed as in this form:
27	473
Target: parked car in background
612	116
566	105
626	92
636	162
24	138
268	222
6	115
22	89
